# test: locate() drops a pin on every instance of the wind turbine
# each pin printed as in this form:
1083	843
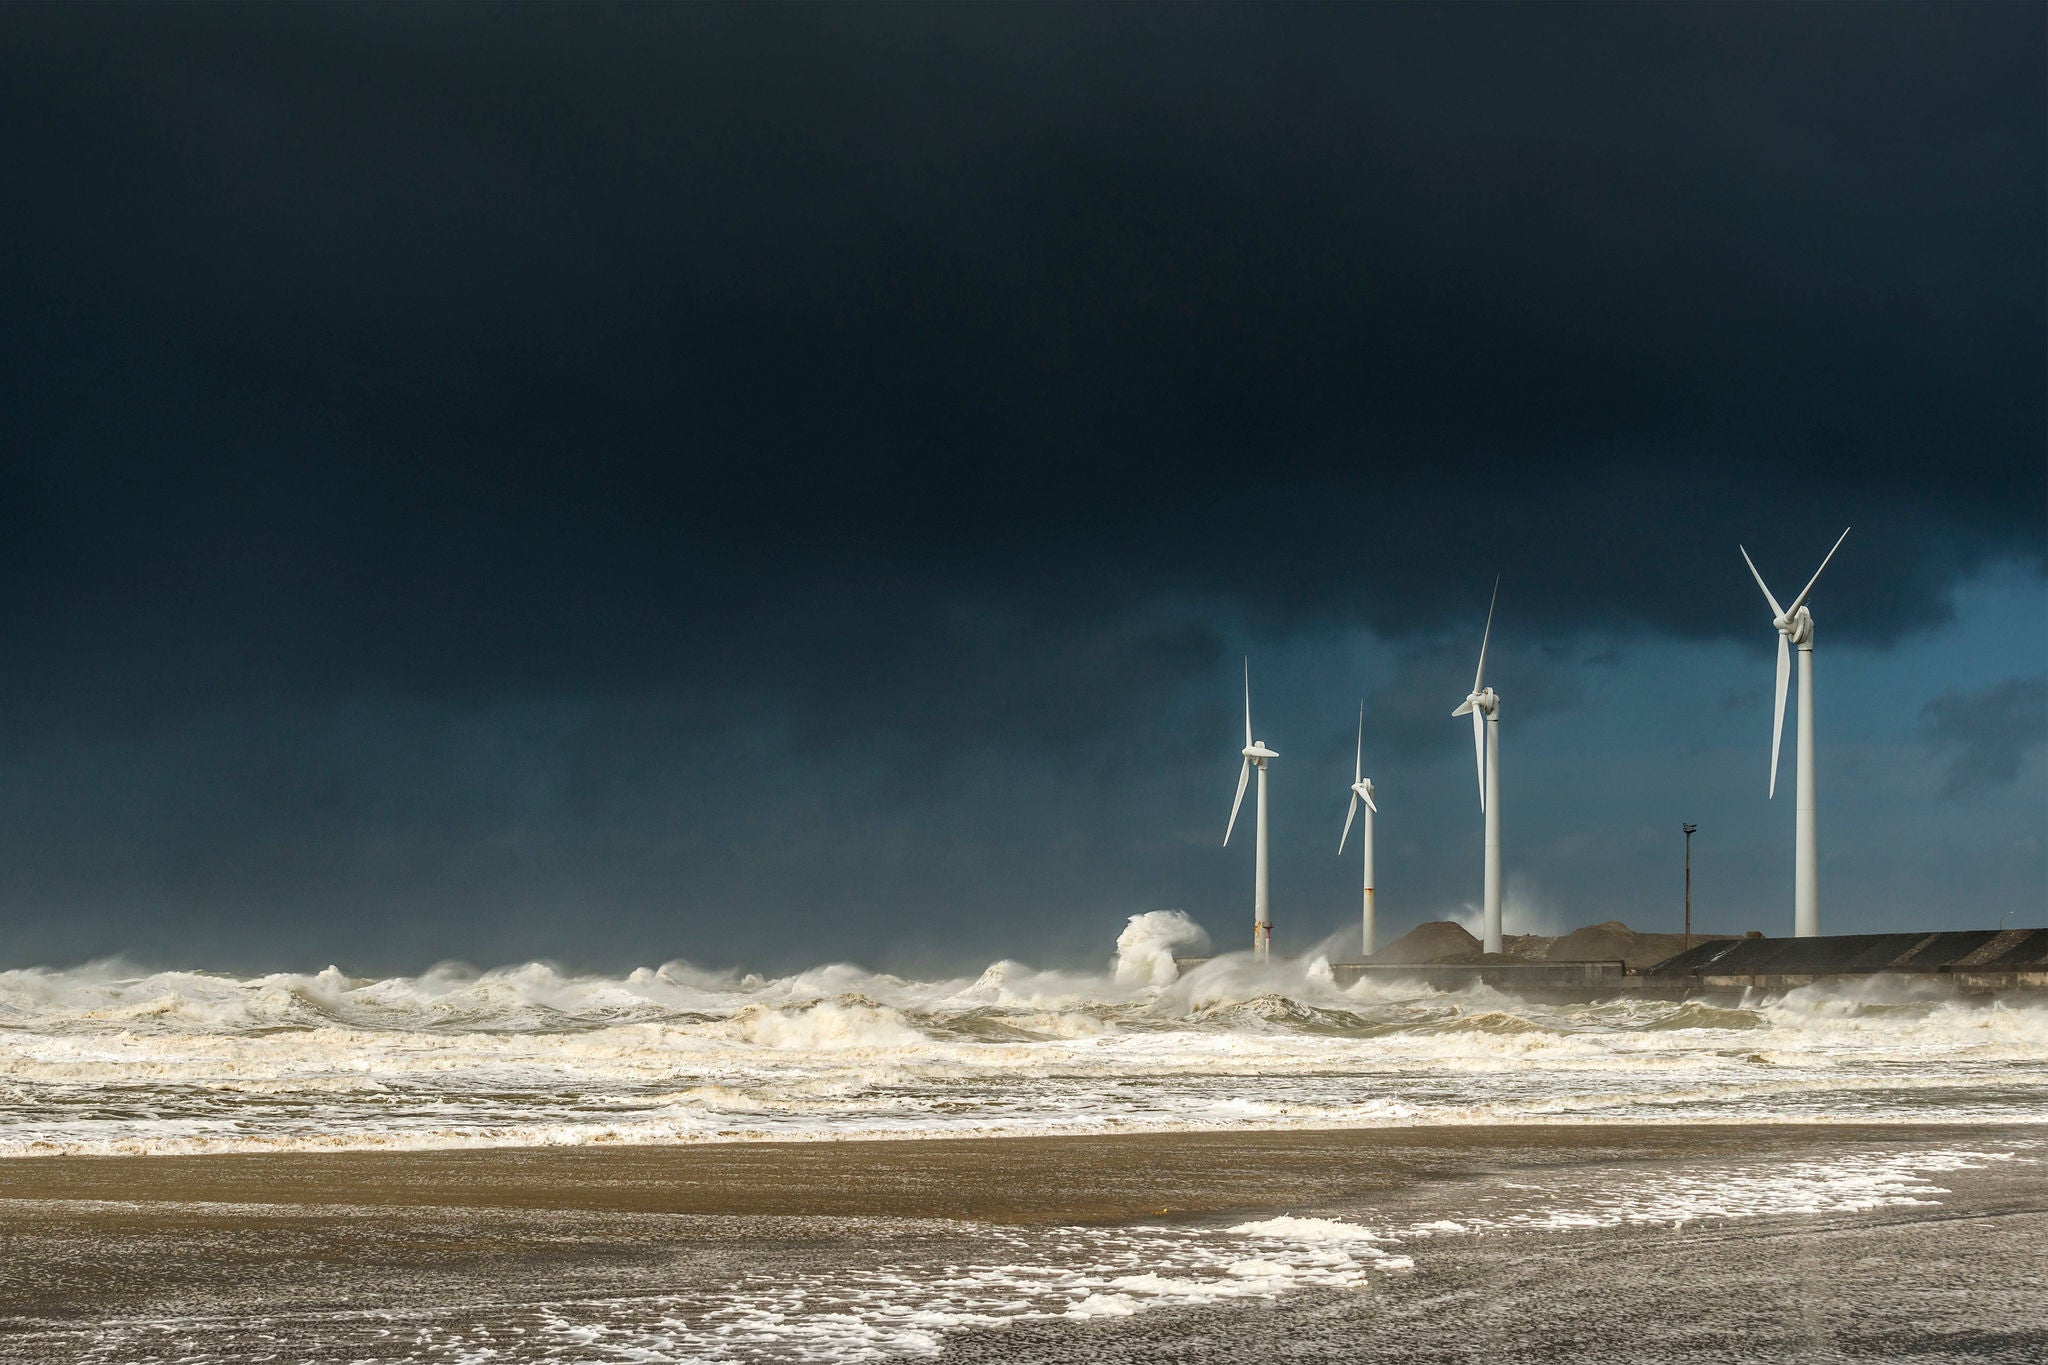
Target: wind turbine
1255	756
1484	707
1361	790
1795	627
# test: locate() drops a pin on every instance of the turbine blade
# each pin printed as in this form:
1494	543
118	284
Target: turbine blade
1478	678
1479	752
1244	775
1776	610
1247	701
1800	600
1369	802
1463	709
1358	766
1349	811
1778	720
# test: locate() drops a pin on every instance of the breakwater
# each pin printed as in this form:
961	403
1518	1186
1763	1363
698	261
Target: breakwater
1971	961
1967	961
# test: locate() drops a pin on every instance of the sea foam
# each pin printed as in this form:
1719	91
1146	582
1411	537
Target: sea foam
109	1058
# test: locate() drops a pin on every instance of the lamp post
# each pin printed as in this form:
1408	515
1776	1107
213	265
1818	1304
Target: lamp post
1688	882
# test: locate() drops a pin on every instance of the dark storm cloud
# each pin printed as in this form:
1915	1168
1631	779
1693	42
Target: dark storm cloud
957	378
509	334
1411	705
1984	735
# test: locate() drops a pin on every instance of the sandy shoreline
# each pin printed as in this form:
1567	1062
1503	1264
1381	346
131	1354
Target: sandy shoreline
1011	1180
978	1248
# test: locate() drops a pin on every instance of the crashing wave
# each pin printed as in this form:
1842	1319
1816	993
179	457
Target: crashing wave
107	1057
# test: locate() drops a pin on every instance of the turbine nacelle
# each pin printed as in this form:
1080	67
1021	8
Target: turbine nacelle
1361	790
1797	628
1485	701
1258	753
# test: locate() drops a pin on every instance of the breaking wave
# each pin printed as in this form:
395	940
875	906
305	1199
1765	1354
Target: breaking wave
108	1058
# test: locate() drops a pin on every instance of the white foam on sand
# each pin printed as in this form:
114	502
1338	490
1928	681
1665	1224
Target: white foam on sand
1849	1183
909	1309
915	1297
1308	1230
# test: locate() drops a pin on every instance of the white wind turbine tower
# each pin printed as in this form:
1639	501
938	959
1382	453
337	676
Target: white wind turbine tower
1795	627
1484	706
1361	790
1255	756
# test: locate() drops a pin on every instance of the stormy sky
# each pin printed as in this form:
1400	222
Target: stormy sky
774	484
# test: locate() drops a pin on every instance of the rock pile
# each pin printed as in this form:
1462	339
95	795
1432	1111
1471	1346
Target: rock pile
1447	942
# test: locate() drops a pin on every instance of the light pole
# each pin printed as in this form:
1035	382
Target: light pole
1688	882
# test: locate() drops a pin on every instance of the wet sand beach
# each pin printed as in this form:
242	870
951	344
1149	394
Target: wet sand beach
1540	1241
1967	1283
999	1180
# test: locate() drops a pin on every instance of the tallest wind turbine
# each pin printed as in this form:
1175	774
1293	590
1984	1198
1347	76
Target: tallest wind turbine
1483	705
1256	755
1361	790
1795	628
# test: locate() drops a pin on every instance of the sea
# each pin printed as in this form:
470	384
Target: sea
104	1059
111	1059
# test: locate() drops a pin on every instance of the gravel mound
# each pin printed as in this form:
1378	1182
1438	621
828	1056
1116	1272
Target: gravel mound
1437	941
